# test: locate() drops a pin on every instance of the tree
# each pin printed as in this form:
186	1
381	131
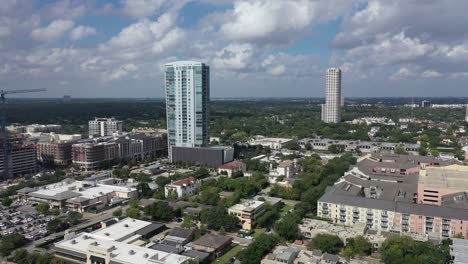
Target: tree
327	243
216	218
117	213
201	173
144	190
255	252
56	225
7	201
287	228
397	249
270	215
400	150
11	242
358	246
336	149
133	212
189	222
209	196
160	211
74	217
42	208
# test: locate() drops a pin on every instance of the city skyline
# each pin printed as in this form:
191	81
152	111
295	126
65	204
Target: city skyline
118	48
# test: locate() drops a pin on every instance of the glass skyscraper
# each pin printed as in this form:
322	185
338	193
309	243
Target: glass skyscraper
187	99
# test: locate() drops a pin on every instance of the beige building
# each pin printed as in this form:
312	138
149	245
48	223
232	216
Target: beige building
247	212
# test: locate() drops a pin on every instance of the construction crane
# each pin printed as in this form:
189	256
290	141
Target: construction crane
6	143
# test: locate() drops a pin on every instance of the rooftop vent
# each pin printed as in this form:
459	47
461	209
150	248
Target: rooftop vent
131	252
73	242
106	234
145	255
126	225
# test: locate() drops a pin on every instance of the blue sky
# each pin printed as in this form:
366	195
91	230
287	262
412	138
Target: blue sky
255	48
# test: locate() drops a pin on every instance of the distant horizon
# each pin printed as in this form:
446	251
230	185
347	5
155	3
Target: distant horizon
102	49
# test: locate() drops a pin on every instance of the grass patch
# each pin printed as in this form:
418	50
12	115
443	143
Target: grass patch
226	258
258	232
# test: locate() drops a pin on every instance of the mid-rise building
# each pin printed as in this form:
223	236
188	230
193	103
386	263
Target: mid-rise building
272	143
101	127
396	194
182	188
56	149
21	160
331	110
247	212
90	153
187	104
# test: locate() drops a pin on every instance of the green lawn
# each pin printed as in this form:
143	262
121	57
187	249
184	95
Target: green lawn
225	259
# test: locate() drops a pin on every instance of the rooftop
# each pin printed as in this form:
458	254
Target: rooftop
120	252
247	206
121	229
449	177
232	165
212	241
184	182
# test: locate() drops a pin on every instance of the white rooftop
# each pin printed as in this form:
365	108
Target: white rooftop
121	252
121	229
247	206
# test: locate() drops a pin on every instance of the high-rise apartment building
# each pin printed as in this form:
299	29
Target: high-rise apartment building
187	98
101	127
331	110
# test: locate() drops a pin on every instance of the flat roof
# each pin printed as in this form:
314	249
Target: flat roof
247	206
449	177
121	229
120	252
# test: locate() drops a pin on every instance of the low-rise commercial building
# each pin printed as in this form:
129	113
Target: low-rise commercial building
286	168
247	212
356	146
272	143
78	195
212	244
117	244
182	188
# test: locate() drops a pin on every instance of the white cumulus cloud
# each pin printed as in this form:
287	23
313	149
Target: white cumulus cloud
53	31
80	32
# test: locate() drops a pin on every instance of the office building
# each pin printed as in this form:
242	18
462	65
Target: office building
21	160
408	195
187	101
331	110
101	127
426	104
247	212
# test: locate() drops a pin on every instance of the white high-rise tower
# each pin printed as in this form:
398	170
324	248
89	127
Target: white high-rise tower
187	99
331	110
466	115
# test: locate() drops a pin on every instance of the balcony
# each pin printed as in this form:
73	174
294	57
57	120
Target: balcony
384	226
405	222
370	217
325	212
342	210
384	220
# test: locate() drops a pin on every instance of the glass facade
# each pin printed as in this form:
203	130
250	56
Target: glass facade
187	100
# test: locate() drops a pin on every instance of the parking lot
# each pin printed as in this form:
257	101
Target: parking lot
30	224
